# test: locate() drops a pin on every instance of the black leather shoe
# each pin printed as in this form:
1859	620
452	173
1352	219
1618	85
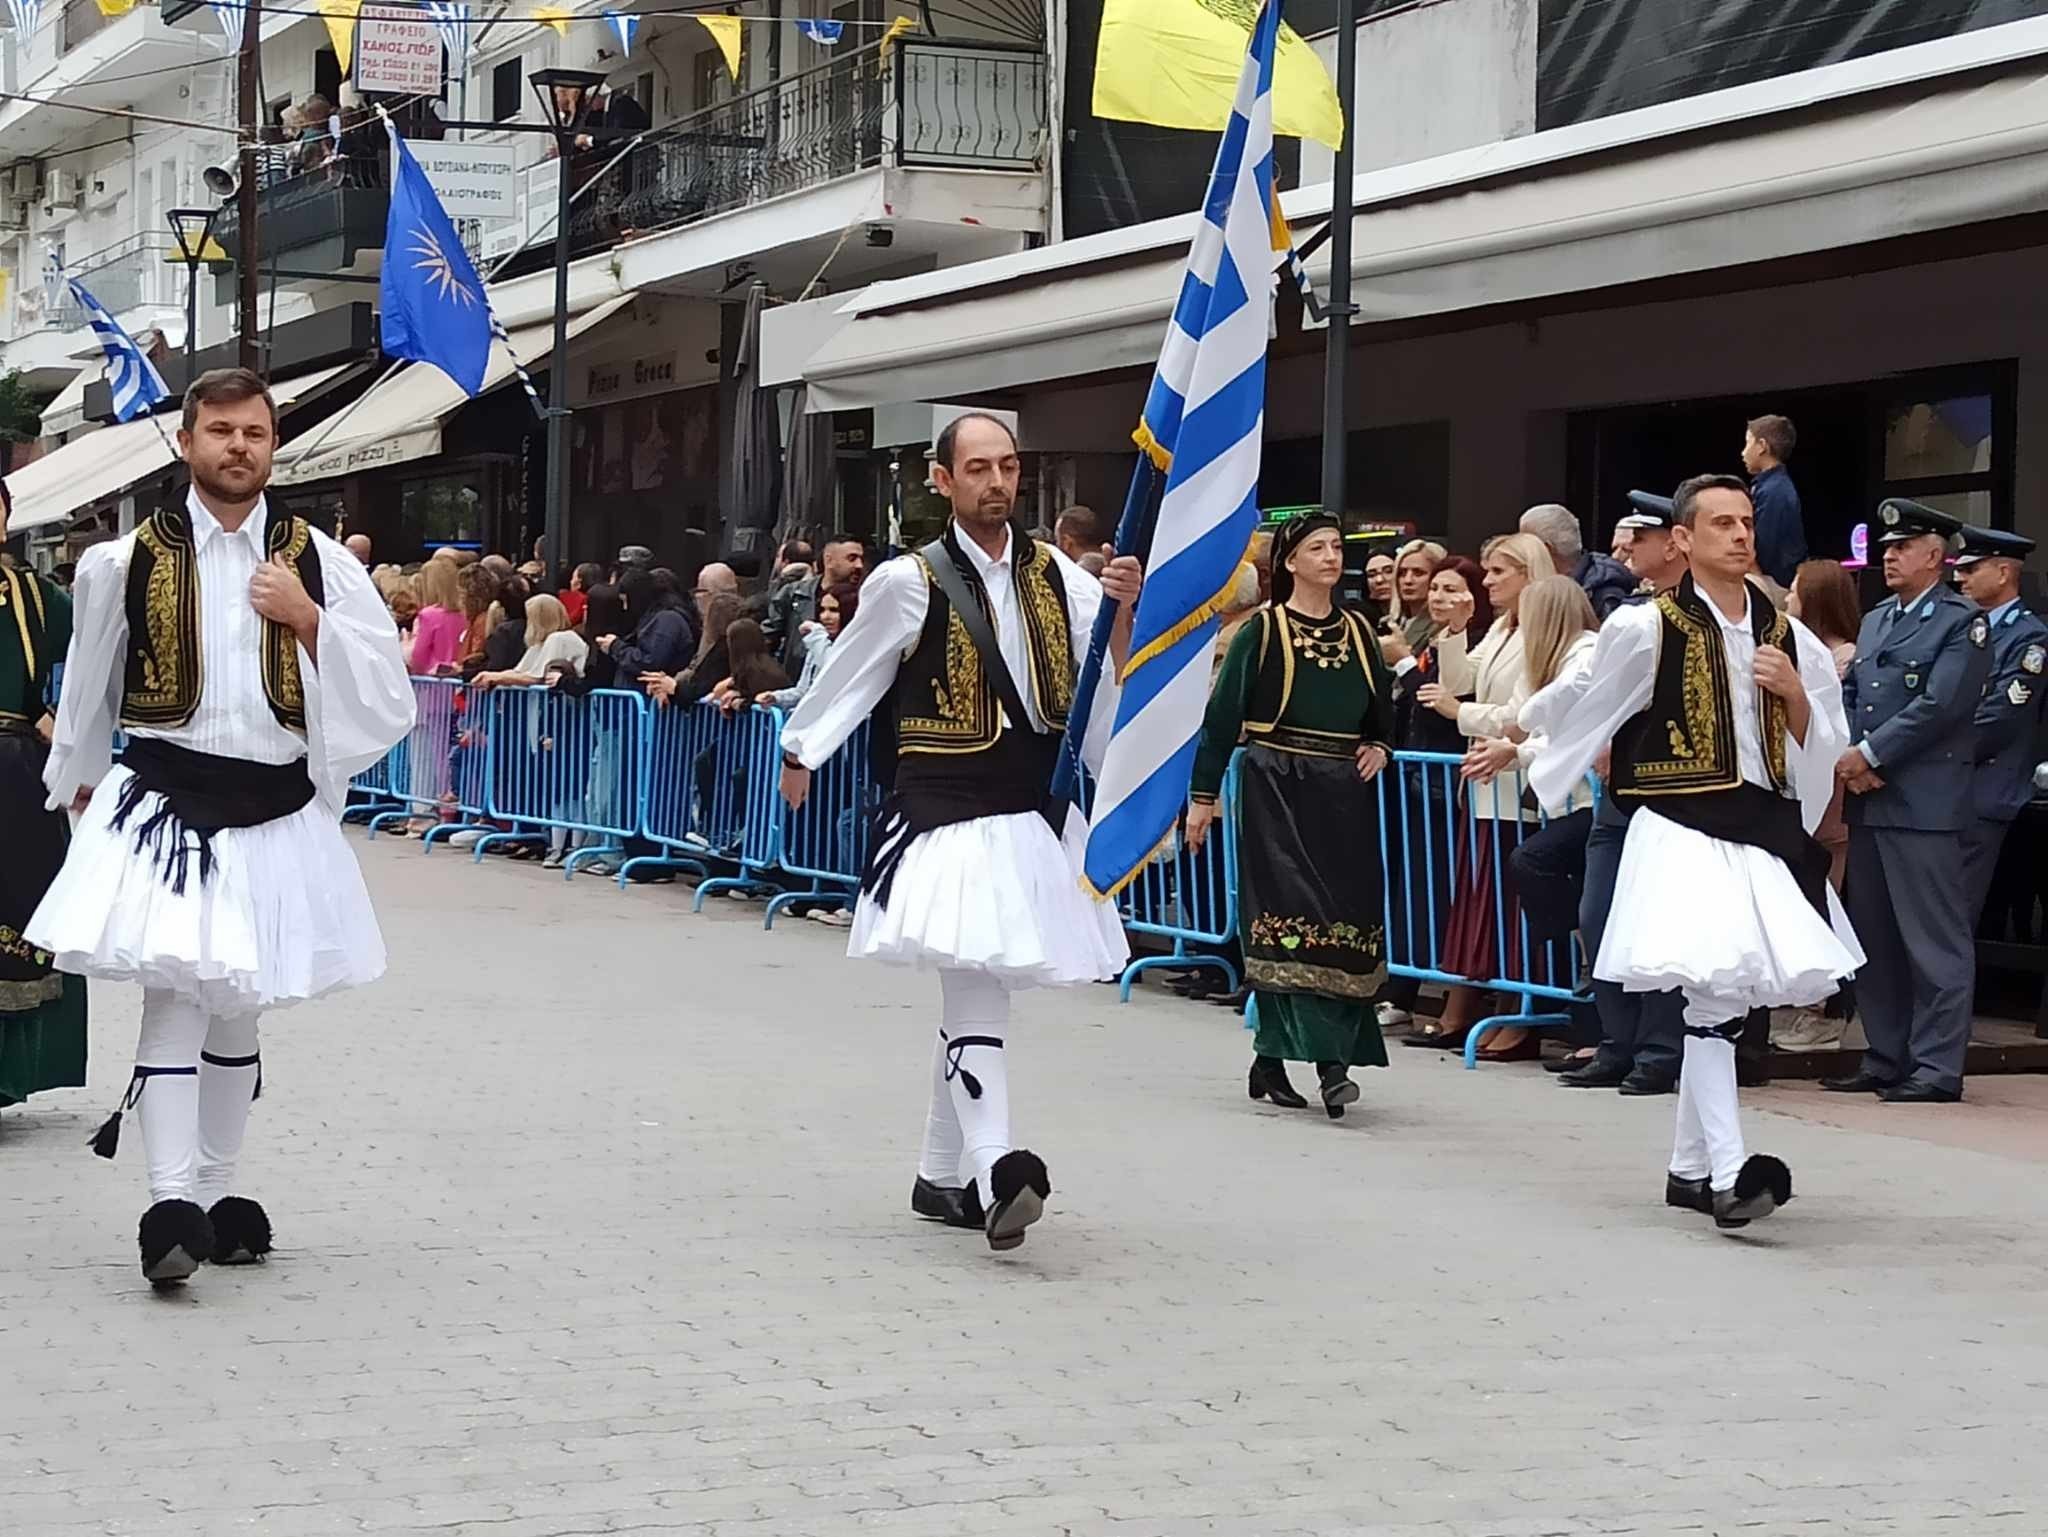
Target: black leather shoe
1762	1185
1338	1089
1570	1062
1268	1080
1689	1195
1917	1091
955	1208
1595	1075
1858	1082
1020	1187
241	1231
175	1238
1640	1084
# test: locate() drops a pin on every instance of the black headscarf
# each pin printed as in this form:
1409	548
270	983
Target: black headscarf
1287	539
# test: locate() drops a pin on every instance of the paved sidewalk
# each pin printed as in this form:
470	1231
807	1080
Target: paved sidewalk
593	1221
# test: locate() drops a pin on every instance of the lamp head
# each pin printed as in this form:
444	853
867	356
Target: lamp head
563	93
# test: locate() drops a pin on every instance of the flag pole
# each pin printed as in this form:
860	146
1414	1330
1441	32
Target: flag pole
1339	310
1133	537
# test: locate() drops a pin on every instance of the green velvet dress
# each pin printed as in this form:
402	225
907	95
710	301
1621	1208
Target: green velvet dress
42	1013
1303	695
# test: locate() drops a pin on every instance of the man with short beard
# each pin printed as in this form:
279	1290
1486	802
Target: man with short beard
976	871
254	669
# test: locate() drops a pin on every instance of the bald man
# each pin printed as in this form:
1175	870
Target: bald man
358	545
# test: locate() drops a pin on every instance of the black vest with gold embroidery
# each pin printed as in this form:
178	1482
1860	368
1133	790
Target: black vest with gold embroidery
956	758
164	672
1683	741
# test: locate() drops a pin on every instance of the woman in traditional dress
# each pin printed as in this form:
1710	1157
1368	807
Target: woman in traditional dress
42	1012
1305	687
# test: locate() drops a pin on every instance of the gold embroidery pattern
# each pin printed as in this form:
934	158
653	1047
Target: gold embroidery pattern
1773	716
1051	646
165	672
20	997
14	943
281	680
1703	752
963	717
21	589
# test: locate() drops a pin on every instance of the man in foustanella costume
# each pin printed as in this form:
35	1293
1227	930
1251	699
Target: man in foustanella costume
42	1011
254	669
1304	687
969	647
1726	721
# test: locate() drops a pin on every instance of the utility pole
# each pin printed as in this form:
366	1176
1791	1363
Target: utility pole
1340	309
249	114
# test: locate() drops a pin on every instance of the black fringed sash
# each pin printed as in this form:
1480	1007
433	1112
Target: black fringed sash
202	793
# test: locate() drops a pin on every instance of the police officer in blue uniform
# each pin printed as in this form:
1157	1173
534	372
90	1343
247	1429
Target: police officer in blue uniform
2009	715
1921	664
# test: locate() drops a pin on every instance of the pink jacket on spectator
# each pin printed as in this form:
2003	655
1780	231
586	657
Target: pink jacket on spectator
437	639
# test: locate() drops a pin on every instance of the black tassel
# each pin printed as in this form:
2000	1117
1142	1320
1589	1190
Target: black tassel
107	1140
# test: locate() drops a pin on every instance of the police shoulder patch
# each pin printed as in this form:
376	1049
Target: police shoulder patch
2034	658
1980	630
2018	692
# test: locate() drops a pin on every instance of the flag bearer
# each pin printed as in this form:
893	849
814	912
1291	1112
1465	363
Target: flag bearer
975	873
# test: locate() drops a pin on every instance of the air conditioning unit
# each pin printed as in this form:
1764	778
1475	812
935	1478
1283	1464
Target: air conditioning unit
62	190
24	180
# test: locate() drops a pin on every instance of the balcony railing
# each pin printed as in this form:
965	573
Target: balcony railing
319	205
124	275
918	103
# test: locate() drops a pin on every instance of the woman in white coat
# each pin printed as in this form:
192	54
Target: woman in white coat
1499	688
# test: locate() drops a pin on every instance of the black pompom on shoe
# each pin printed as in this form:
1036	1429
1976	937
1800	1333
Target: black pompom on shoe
1020	1187
241	1231
175	1237
1762	1185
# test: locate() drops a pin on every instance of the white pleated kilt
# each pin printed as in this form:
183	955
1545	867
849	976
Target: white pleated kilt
997	894
1712	917
283	916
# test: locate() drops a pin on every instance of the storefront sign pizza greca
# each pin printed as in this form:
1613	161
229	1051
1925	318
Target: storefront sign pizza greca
642	376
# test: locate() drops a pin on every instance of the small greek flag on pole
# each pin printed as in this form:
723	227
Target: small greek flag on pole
130	375
1201	427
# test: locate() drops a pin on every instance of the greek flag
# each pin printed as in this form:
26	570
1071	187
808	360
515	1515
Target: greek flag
130	375
1202	425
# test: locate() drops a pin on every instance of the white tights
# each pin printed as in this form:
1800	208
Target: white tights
194	1104
968	1126
1708	1144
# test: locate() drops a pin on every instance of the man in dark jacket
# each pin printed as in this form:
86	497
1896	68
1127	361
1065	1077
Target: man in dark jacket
1606	581
845	561
1780	524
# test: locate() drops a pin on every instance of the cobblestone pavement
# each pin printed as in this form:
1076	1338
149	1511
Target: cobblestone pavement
592	1221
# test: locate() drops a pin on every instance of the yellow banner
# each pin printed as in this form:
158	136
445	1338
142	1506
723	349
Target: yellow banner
116	7
553	16
725	31
1175	63
339	17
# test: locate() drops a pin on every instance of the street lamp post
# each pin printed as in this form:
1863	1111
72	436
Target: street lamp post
562	94
192	228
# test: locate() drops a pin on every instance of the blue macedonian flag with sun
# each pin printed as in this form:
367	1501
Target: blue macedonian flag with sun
432	303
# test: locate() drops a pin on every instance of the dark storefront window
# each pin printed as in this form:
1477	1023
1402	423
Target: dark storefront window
442	509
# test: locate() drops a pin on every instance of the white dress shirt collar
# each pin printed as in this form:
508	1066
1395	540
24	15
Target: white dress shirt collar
984	562
205	526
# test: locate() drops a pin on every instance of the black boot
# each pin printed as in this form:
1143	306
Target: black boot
957	1207
1269	1081
241	1231
1020	1187
175	1238
1689	1195
1338	1089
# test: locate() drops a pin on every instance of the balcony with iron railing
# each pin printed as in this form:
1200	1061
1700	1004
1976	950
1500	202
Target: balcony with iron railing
918	102
318	204
123	276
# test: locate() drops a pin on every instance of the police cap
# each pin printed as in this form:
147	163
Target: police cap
1985	543
1898	518
1648	511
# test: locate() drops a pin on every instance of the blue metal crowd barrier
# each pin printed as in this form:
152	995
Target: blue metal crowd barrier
690	810
1432	844
1189	897
825	840
564	767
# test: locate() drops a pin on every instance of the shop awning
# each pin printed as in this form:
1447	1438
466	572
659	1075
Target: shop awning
67	411
1856	153
399	419
108	461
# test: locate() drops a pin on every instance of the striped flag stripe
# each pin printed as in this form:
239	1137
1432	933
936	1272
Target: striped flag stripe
1203	421
131	377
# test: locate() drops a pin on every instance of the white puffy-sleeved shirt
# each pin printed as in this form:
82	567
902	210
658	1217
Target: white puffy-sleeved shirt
893	603
359	701
1618	683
